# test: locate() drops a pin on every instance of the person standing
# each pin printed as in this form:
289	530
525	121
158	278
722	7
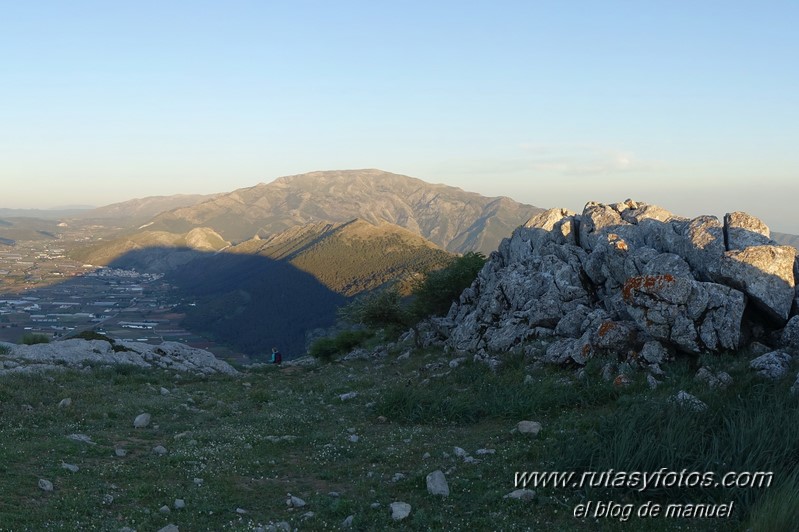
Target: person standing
277	357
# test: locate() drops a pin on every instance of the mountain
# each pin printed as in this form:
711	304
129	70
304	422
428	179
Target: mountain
270	292
351	257
452	218
143	209
44	214
13	229
785	239
160	251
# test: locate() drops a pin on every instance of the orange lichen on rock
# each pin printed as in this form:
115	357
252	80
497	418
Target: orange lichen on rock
645	282
605	328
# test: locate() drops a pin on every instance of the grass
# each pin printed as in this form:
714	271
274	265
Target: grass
274	431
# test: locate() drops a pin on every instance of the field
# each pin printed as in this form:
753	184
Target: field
235	448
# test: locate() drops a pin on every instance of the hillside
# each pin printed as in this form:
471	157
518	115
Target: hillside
142	209
29	229
159	251
453	219
351	257
271	292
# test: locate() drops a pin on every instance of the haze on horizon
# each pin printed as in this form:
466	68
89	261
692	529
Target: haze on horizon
691	107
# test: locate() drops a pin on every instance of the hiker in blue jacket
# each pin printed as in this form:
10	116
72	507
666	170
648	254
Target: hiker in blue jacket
277	358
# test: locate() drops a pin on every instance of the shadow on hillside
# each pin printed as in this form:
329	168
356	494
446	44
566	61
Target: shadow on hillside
249	303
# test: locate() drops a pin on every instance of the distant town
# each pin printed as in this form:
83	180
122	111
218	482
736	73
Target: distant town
43	291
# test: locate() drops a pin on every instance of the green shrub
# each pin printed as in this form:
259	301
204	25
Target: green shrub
35	338
328	348
93	335
436	293
382	309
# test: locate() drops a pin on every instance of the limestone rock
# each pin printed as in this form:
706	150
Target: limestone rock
688	401
141	421
400	510
790	334
773	366
437	484
765	273
523	495
744	230
529	427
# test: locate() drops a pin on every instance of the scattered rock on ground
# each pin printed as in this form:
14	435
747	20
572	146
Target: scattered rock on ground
400	510
437	484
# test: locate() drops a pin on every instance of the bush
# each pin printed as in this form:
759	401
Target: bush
435	295
328	348
382	309
35	338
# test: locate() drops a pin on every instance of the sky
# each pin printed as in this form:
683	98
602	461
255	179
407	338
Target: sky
690	105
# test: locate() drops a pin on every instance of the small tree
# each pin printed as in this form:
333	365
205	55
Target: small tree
435	294
382	309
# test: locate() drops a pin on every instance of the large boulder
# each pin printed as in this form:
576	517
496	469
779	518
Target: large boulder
765	273
621	277
692	316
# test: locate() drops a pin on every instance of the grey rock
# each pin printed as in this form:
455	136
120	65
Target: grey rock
169	528
64	403
744	230
686	400
70	467
120	452
790	334
141	421
653	352
529	427
773	366
347	396
437	484
81	438
652	382
764	273
160	450
704	246
164	509
294	502
524	495
45	485
179	504
400	510
718	380
347	523
460	452
693	316
795	386
108	499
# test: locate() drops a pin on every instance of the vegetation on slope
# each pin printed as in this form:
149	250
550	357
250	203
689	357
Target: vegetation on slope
236	446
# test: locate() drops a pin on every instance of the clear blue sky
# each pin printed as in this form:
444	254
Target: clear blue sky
692	105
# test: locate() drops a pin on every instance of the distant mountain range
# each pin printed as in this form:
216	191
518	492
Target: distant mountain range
452	218
785	239
141	210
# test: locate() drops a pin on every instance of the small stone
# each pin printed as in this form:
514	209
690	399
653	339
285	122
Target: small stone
485	451
652	382
529	427
141	421
164	509
169	528
347	523
164	391
70	467
81	438
375	505
382	419
528	380
353	438
437	484
687	400
294	502
198	481
120	452
45	485
426	456
64	403
347	396
460	453
308	515
108	499
521	495
179	504
397	477
400	510
241	511
773	366
334	494
160	450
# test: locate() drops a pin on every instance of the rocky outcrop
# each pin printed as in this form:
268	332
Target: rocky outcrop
80	354
621	277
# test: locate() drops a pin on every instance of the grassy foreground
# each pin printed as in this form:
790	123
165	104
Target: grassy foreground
235	447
